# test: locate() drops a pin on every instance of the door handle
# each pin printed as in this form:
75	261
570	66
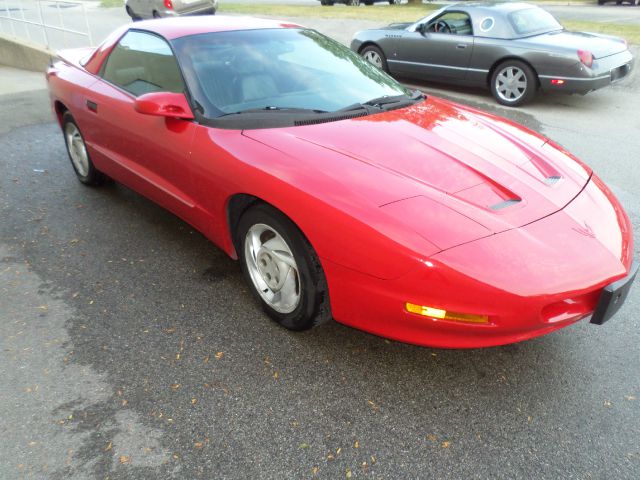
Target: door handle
92	106
461	45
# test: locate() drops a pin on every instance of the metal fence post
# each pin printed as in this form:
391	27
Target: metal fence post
44	27
86	22
64	34
6	7
26	26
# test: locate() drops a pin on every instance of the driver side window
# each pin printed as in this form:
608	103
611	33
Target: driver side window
453	23
143	63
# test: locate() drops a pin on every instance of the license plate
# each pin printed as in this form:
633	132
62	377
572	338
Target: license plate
620	72
613	296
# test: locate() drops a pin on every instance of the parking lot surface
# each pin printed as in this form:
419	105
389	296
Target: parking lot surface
131	347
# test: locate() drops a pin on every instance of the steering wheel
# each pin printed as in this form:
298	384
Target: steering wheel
442	27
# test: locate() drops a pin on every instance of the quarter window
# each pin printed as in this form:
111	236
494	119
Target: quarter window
143	63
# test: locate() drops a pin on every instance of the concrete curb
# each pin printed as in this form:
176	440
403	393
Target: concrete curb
20	53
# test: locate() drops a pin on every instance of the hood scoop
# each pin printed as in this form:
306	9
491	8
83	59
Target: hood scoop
505	204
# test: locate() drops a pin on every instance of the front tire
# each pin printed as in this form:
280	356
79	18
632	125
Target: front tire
375	57
282	269
513	83
86	172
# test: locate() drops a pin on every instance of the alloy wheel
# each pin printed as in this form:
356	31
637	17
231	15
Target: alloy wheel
511	84
272	268
77	149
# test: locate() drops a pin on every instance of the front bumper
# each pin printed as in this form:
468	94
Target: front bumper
530	281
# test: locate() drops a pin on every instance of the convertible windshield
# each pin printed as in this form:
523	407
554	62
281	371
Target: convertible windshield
533	21
278	71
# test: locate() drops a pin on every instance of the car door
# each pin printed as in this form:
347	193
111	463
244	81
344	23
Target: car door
147	153
441	49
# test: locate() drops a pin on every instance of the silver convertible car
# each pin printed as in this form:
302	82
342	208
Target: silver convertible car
513	48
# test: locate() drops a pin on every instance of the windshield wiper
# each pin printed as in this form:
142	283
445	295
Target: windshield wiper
381	102
270	108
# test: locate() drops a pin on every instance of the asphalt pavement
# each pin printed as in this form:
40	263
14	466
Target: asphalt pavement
131	347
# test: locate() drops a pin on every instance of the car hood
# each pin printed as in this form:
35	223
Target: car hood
599	45
451	173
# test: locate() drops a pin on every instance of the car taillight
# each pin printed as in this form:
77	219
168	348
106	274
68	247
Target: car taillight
586	57
168	4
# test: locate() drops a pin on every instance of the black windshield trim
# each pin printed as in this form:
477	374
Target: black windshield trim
266	119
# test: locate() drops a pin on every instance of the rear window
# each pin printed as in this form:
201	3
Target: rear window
531	21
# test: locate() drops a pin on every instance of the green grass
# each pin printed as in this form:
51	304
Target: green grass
407	13
382	13
631	33
111	3
399	13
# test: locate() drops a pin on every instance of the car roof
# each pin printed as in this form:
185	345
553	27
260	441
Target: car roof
502	7
172	28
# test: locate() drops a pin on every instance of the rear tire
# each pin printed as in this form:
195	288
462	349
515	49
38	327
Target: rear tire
81	162
375	57
134	17
513	83
282	269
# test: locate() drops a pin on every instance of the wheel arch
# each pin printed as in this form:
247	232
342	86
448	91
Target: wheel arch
511	57
369	43
237	204
60	109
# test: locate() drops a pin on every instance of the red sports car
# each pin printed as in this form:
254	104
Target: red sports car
343	194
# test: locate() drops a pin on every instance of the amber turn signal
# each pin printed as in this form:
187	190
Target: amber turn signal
444	314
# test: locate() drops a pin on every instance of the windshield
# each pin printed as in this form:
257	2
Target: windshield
532	21
277	69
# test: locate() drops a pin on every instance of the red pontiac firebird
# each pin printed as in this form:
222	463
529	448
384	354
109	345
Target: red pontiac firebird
343	194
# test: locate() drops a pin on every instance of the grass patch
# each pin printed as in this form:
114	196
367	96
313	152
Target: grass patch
111	3
631	33
405	13
381	13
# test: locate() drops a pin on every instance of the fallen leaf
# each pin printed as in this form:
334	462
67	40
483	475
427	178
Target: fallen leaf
206	359
629	397
304	445
124	459
219	355
108	447
175	386
356	444
275	375
445	444
432	437
348	474
198	445
314	470
194	401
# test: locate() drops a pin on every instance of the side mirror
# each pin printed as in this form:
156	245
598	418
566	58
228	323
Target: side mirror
164	104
